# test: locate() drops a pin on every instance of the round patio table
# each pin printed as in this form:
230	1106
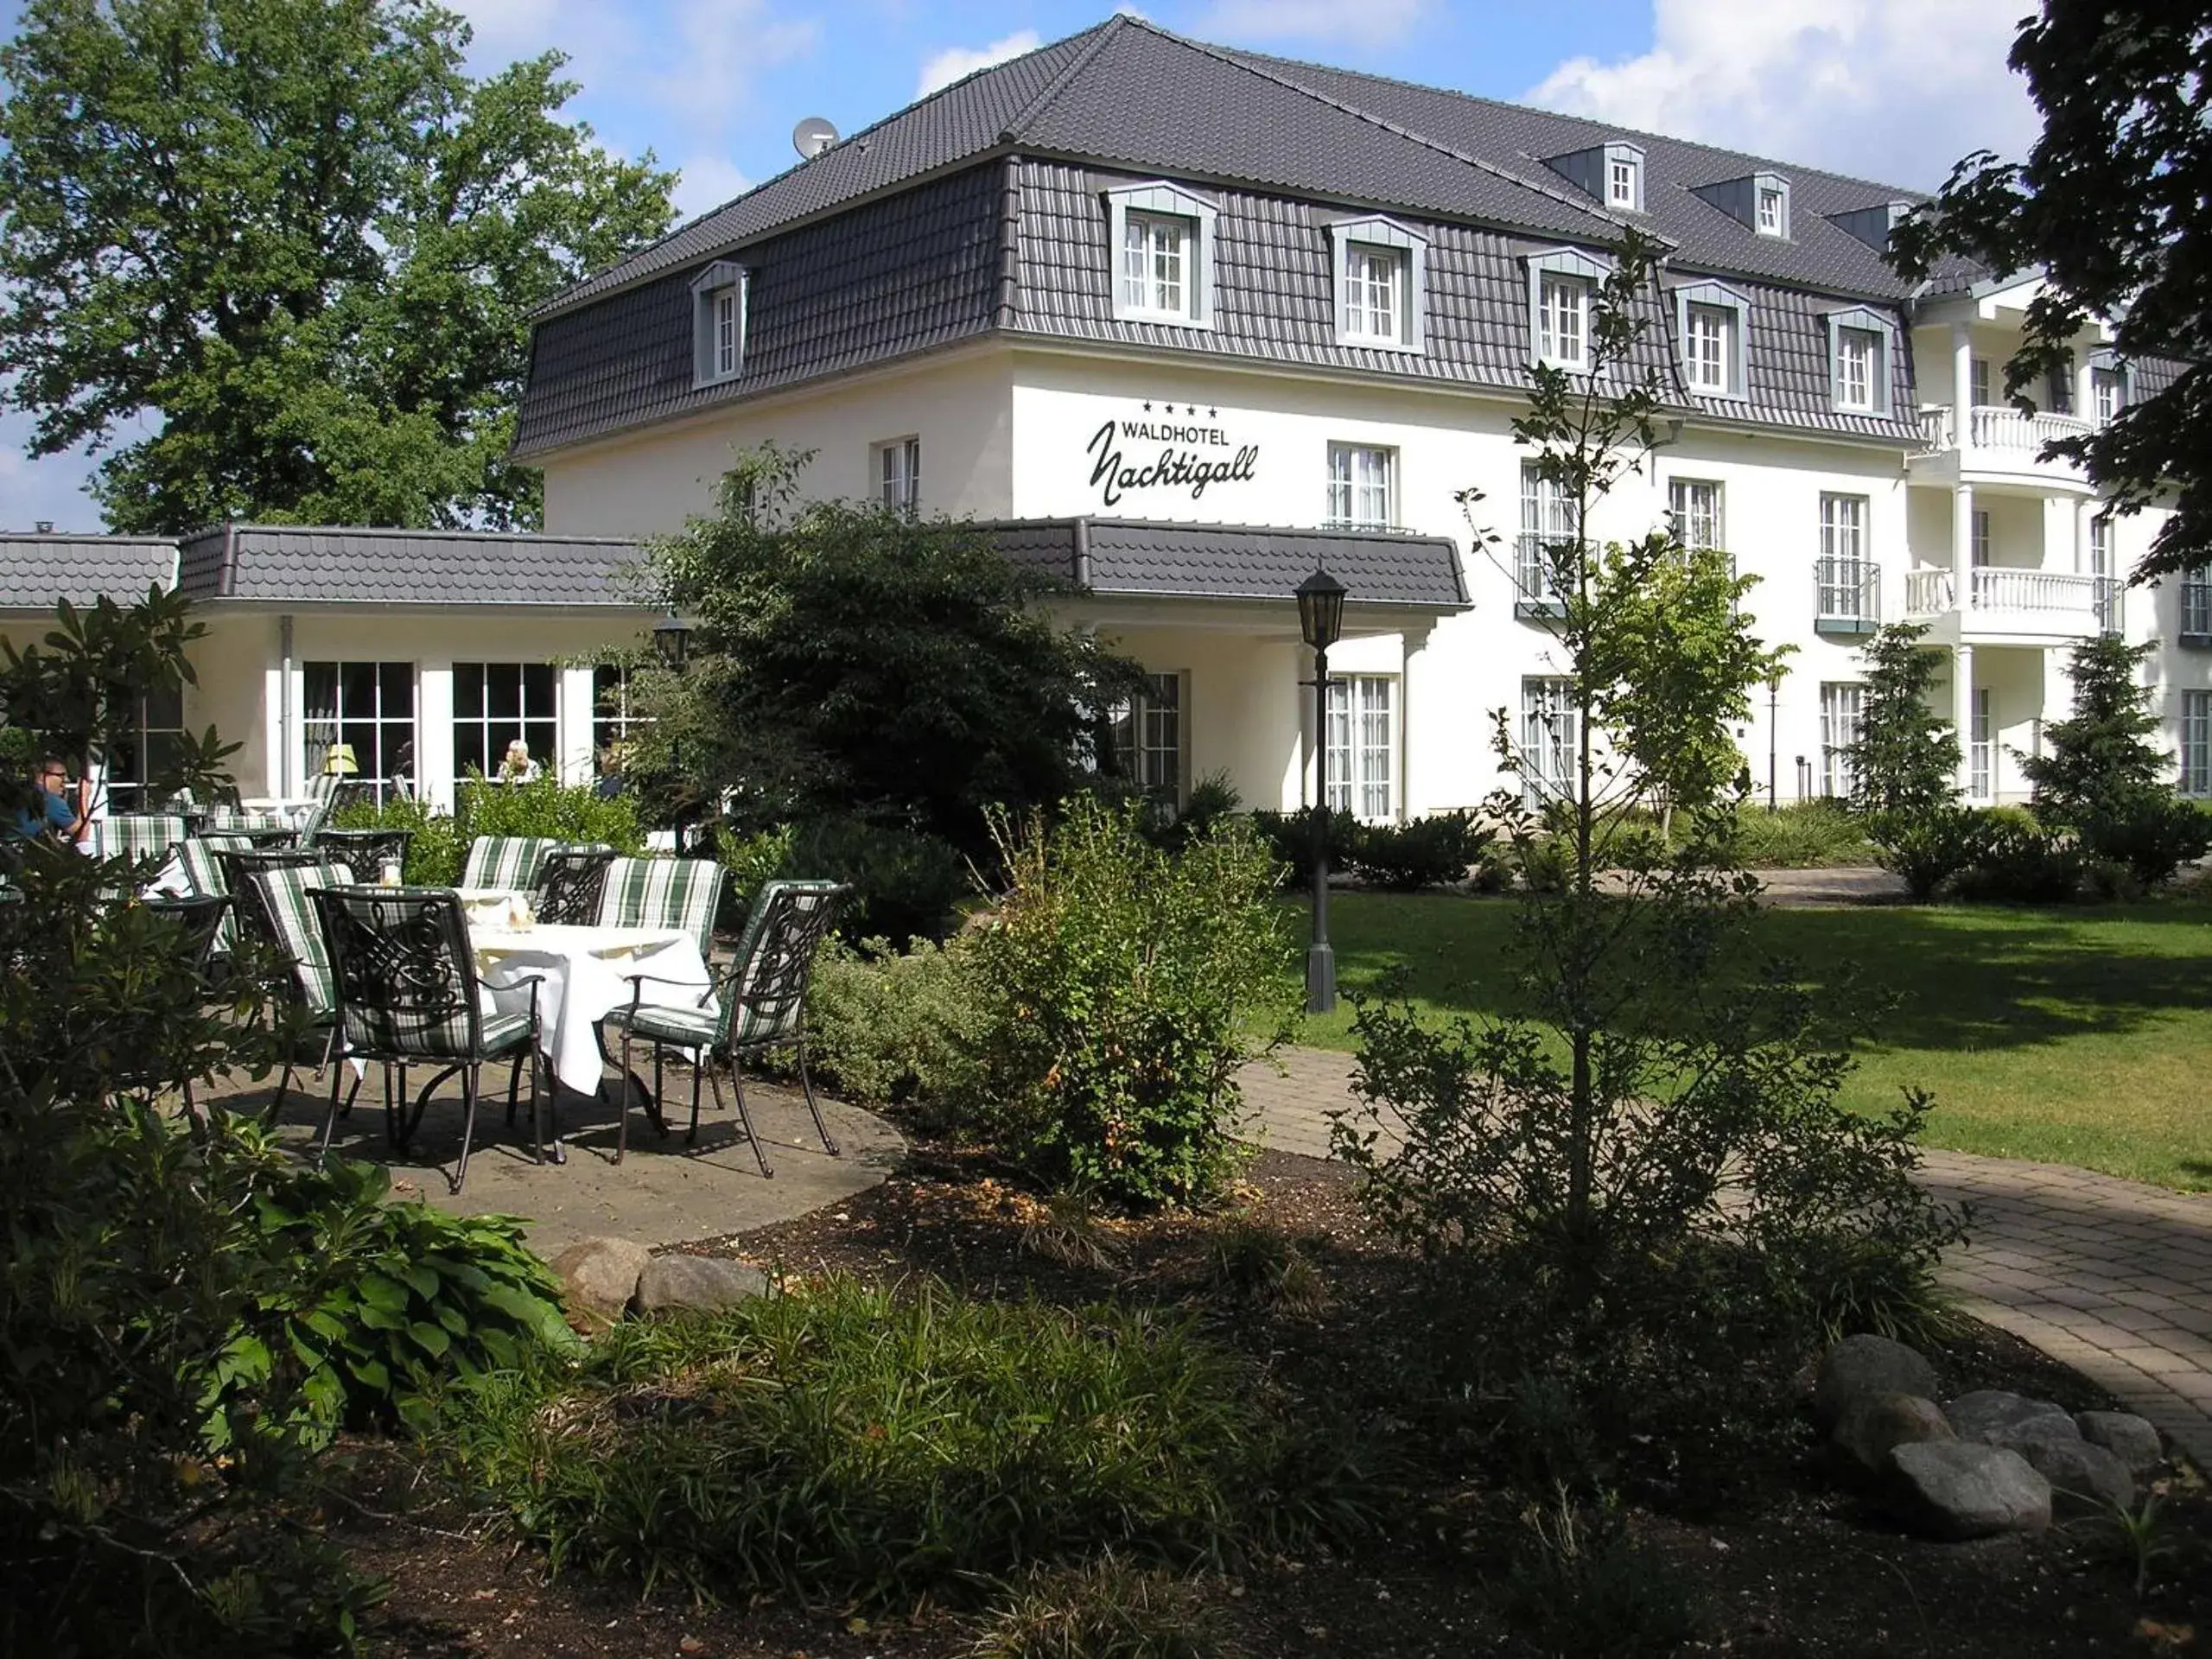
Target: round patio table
581	979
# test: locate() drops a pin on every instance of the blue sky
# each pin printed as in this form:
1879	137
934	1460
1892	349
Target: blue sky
1890	89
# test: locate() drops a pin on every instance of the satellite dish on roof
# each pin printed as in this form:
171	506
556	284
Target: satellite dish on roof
812	135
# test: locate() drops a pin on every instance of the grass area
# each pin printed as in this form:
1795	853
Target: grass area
2077	1036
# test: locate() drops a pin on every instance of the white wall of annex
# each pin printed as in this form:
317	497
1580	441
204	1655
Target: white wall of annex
650	483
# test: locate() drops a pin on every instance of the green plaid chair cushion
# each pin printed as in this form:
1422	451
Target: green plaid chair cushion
679	893
678	1027
762	1000
203	876
512	861
139	835
220	817
283	892
406	978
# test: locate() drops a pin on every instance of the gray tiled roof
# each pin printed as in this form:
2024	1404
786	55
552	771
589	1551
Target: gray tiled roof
37	569
914	270
295	564
1137	557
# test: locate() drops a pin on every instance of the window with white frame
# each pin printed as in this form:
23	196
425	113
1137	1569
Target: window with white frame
1773	209
1978	382
1547	520
1550	739
2195	743
2109	388
615	719
1846	577
495	703
1712	351
2105	578
1362	746
1981	749
1857	353
899	475
148	746
1162	241
718	323
1980	555
1695	507
1147	738
1380	267
1624	179
369	707
2196	605
1563	321
1362	486
1841	705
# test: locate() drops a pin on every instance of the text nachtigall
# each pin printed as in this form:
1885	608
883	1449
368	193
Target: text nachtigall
1173	468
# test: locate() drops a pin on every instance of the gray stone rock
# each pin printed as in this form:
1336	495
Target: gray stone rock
1866	1364
2082	1476
600	1274
2052	1428
2130	1439
1877	1423
1995	1417
1962	1488
700	1281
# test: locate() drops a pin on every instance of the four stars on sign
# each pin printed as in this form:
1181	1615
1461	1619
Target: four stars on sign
1188	409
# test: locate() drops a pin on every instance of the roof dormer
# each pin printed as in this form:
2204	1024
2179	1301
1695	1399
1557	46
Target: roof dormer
1613	173
1873	224
1760	201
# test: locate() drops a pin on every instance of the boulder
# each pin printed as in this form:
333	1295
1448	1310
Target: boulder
1866	1364
1994	1416
600	1275
2082	1476
1962	1488
1877	1423
700	1281
2130	1439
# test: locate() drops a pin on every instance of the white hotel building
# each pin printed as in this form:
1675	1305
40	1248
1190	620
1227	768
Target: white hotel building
1182	321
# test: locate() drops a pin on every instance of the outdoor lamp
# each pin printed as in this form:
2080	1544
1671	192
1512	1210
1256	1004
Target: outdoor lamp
1321	621
1321	610
672	642
339	761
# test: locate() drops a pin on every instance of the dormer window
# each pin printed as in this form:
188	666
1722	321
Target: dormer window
1162	237
1624	183
1774	211
2108	388
1861	347
1715	323
1562	288
718	323
1759	201
1613	173
1381	269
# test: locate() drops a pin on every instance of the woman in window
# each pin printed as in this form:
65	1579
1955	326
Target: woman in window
516	766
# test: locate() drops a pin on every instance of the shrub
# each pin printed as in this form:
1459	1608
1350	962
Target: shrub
1289	835
905	885
1119	989
1212	798
853	1444
2152	831
2014	860
1926	845
435	851
888	1028
385	1303
547	807
1420	853
1804	835
1581	1584
1106	1609
753	861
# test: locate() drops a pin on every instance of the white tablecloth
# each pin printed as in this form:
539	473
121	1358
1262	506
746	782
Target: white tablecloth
583	969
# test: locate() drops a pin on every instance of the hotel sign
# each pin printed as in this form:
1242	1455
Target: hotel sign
1166	449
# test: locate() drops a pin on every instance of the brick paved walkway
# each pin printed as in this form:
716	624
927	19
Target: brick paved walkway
2111	1277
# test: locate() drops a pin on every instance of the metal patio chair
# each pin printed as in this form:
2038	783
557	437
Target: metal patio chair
366	850
510	861
281	894
759	1004
677	892
570	884
408	994
255	929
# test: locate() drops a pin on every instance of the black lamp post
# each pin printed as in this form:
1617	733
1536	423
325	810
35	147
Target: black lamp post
672	645
1321	621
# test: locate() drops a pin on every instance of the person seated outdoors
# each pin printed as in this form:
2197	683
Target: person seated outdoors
55	811
517	766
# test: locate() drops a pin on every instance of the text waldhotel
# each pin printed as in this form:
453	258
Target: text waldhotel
1174	467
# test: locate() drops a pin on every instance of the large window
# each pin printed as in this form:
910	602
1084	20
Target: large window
1712	348
1846	577
371	708
1362	486
2195	743
1147	734
1363	745
2106	579
614	718
1840	705
1695	503
1375	293
1981	749
899	475
1563	321
1550	740
1547	520
145	751
495	703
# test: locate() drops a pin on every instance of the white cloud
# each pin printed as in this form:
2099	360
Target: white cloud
945	67
1377	22
1895	90
707	182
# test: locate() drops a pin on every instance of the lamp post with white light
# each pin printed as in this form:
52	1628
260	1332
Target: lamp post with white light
672	645
1320	621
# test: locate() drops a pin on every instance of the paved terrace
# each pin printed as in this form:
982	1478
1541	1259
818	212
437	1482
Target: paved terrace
2111	1277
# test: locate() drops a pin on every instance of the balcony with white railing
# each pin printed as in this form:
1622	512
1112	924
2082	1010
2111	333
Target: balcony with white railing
2007	604
1998	444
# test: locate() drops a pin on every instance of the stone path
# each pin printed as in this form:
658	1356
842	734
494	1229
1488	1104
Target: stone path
2111	1277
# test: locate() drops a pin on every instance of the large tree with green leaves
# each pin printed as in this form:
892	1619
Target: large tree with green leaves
298	234
2109	207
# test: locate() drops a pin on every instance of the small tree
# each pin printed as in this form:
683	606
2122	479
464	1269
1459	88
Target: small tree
1906	757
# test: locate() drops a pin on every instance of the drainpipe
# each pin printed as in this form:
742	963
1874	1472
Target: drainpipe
1082	555
287	744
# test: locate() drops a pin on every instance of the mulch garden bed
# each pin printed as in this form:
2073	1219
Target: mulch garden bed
1792	1566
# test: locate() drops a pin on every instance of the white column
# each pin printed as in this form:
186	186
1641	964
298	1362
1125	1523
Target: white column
1962	710
1961	380
2082	537
572	732
2085	404
1962	542
433	732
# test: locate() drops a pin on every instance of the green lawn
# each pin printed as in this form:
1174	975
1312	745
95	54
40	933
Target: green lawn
2074	1036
